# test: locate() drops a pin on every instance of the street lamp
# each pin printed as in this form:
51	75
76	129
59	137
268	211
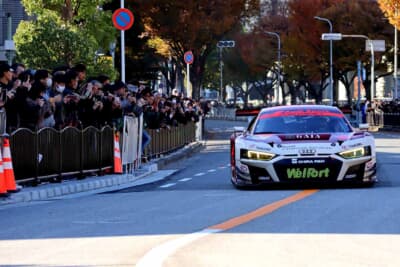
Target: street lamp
330	58
394	94
339	36
279	60
220	45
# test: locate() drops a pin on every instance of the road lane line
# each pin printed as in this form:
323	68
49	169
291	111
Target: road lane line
185	179
199	174
262	211
212	170
156	256
167	185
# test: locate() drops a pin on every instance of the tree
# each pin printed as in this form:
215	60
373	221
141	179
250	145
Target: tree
391	10
195	25
248	63
308	58
63	33
43	44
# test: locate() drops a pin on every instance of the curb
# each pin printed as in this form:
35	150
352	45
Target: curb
101	184
178	155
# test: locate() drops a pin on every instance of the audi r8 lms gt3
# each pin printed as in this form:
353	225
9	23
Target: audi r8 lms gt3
305	143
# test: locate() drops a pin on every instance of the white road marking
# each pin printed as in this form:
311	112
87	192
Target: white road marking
185	179
167	185
212	170
156	256
199	174
228	165
222	167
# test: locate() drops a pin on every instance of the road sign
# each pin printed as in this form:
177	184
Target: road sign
188	57
331	36
226	43
123	19
379	45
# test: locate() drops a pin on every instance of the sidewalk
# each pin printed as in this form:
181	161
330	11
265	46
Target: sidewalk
148	173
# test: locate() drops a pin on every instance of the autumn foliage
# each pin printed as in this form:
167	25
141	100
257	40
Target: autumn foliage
391	10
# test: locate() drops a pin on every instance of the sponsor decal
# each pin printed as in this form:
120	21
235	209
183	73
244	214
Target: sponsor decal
307	173
308	161
355	145
263	148
369	165
307	136
348	146
243	168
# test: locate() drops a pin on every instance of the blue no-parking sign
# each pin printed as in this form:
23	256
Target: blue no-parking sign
188	57
123	19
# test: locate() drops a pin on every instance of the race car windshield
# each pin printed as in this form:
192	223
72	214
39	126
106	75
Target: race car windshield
302	124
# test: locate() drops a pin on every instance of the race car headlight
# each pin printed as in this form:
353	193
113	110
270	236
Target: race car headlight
256	155
356	153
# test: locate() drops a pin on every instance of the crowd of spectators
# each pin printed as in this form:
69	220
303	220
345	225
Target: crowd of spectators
386	106
66	97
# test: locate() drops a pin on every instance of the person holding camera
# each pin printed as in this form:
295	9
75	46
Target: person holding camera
91	105
71	100
6	94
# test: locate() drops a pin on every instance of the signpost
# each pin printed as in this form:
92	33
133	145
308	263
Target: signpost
339	36
189	58
222	44
123	20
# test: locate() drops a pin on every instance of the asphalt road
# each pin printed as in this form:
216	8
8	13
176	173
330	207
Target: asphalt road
196	218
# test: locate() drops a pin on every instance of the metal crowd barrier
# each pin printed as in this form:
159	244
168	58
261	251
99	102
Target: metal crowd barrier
164	141
51	154
223	113
391	120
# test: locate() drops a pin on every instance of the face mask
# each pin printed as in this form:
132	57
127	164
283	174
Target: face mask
60	88
49	82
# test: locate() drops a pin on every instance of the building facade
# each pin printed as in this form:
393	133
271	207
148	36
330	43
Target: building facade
11	13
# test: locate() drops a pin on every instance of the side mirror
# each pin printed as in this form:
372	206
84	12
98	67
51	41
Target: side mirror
240	129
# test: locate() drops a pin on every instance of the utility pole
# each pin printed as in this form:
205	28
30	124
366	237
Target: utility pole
279	63
330	58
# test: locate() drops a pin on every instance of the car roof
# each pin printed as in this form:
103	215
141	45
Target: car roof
301	107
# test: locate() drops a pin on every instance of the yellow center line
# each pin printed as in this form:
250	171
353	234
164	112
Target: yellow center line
156	256
236	221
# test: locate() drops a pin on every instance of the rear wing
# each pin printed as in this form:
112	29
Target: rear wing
247	112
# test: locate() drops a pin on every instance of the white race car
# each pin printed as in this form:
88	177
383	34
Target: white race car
305	143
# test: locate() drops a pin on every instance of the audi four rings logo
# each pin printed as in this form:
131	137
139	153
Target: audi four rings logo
307	151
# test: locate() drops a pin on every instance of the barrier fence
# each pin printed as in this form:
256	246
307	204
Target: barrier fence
166	140
391	120
51	155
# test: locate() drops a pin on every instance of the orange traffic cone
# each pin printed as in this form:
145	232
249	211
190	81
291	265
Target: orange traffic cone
8	167
3	187
117	156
